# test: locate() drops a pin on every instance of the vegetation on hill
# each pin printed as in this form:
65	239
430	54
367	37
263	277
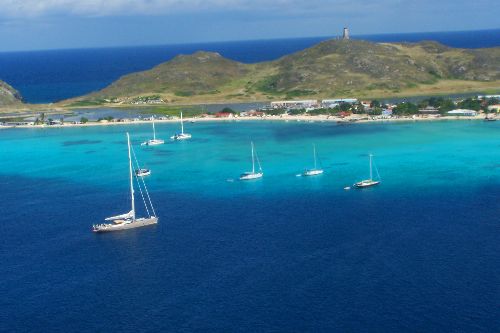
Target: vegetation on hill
9	95
328	69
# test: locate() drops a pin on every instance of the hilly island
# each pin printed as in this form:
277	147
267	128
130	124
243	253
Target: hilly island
333	68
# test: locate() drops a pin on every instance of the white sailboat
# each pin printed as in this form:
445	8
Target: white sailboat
154	141
181	135
369	182
129	220
252	174
315	171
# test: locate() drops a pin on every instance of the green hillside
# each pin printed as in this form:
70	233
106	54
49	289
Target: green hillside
8	95
328	69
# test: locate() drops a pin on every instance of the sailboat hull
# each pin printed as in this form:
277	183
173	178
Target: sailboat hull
109	227
184	136
314	172
366	183
251	175
154	142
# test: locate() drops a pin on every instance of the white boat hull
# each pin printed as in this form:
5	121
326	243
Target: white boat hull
153	142
313	172
143	172
366	183
109	227
251	175
184	136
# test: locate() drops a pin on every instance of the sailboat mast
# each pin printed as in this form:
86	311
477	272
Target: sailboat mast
131	177
371	176
154	131
253	160
182	125
314	152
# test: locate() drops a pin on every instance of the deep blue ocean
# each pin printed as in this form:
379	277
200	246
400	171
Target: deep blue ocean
418	253
49	76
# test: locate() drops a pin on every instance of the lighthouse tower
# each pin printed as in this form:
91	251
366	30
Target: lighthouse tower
345	35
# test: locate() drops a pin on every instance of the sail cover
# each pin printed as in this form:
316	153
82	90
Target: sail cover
122	216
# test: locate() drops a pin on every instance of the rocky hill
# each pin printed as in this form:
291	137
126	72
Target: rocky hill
328	69
8	95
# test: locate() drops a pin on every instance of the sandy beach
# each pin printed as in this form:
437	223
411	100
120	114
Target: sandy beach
353	119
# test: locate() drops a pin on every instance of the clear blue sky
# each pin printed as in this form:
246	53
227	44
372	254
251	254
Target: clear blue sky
49	24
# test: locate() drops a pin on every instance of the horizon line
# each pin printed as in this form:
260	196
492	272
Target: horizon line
326	37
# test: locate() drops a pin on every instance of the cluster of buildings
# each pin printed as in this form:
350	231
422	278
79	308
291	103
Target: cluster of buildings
223	114
50	122
431	110
141	100
61	122
311	104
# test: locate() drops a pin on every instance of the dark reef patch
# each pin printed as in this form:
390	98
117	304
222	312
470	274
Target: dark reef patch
81	142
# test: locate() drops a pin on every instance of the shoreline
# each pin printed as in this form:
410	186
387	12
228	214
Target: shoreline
359	119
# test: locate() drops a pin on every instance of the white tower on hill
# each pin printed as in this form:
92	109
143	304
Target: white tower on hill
345	35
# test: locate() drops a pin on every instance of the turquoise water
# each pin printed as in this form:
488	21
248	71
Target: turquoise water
419	252
423	156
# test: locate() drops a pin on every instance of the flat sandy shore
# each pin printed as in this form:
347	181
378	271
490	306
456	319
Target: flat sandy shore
354	119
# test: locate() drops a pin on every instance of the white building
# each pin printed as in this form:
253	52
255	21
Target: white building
307	103
462	112
331	103
488	96
339	100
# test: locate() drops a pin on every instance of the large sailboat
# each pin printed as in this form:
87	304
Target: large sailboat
129	220
252	174
181	135
154	141
369	182
315	171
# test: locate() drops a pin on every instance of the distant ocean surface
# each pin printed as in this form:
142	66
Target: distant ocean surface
418	253
49	76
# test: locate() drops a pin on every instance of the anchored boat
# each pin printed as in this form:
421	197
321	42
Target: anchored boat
142	172
315	171
181	135
252	174
154	141
369	182
129	220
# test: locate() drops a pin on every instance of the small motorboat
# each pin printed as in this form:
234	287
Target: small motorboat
142	172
